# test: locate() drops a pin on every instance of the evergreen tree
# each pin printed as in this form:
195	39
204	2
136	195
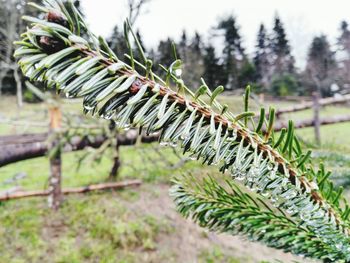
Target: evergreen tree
283	61
321	65
138	35
182	46
212	68
280	45
262	58
344	57
247	74
196	45
164	55
117	43
119	47
233	52
344	39
192	57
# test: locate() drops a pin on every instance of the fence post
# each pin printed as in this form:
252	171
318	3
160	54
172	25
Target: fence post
55	192
316	106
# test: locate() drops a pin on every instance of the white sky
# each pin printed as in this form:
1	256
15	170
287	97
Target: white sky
162	18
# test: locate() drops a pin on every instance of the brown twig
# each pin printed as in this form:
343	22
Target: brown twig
78	190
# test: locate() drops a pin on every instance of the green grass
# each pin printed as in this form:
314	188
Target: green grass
215	254
88	228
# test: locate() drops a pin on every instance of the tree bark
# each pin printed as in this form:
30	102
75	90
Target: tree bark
116	165
55	193
317	124
9	28
17	148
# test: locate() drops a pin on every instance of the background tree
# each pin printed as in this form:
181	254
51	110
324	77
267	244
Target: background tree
282	60
213	70
344	57
117	43
247	74
192	57
284	85
116	39
262	58
11	23
164	54
135	9
182	46
233	52
321	66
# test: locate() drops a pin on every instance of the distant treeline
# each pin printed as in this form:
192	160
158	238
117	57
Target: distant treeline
270	70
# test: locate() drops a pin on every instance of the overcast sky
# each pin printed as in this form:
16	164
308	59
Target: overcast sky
162	18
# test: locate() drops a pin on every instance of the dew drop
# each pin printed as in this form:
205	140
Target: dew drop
240	176
270	166
274	199
173	144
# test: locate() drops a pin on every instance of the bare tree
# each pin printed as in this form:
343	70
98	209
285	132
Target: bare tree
135	8
11	23
321	66
343	57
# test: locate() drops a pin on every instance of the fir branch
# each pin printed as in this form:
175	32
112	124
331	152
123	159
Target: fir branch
55	53
221	207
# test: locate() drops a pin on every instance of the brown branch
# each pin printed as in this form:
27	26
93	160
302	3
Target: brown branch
78	190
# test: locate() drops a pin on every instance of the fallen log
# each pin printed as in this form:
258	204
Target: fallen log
67	191
24	149
22	138
310	122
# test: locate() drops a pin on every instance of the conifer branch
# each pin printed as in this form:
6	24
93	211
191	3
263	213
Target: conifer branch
221	206
61	52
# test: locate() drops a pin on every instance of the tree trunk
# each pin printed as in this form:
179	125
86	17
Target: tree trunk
10	35
19	87
3	72
317	124
116	165
55	192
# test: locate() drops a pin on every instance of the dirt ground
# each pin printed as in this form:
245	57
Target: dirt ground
188	238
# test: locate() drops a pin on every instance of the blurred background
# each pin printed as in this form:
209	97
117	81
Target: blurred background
295	55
